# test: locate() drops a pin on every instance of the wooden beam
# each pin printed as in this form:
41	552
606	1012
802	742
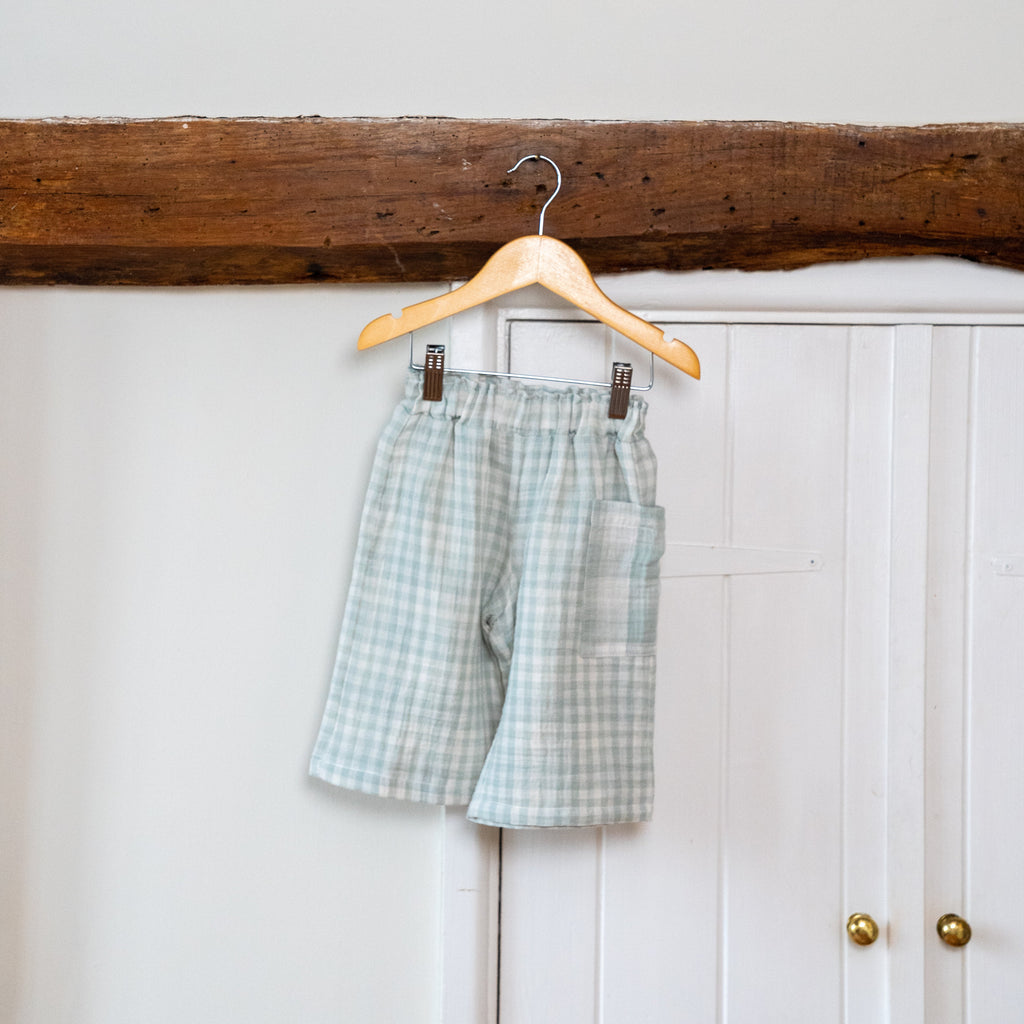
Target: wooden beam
211	201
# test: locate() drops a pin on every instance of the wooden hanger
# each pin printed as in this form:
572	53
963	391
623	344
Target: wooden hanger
535	259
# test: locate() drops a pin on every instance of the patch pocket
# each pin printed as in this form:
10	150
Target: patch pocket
621	585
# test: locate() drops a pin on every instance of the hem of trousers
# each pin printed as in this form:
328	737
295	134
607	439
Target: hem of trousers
562	817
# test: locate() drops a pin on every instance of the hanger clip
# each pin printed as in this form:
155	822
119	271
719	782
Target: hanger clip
433	374
622	376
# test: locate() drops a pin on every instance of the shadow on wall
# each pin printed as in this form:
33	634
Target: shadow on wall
53	569
22	466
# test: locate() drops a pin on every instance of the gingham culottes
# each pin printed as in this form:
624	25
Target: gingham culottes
497	648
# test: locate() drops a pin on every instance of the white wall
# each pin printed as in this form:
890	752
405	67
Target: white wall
891	61
181	474
181	477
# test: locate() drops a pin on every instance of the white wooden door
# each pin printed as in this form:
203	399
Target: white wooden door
839	705
974	702
728	906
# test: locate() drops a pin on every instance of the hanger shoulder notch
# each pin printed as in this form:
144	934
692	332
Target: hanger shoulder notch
512	267
562	270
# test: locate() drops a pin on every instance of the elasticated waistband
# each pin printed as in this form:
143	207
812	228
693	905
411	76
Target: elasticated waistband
512	404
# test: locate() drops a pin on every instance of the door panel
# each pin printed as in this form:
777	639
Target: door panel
993	899
905	695
730	902
866	627
950	542
782	771
551	925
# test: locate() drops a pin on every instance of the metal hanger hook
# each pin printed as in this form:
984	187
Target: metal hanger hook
558	185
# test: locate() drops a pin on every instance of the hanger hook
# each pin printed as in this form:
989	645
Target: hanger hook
558	185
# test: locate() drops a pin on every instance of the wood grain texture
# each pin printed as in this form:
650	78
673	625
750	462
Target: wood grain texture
254	201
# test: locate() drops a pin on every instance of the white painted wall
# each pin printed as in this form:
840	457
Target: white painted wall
181	475
180	478
892	61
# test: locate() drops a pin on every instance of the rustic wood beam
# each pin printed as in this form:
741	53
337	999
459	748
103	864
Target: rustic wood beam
213	201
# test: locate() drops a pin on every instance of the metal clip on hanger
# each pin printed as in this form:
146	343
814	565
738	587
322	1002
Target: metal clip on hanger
535	259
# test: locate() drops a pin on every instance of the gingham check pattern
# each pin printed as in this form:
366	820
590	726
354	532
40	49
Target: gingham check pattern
497	648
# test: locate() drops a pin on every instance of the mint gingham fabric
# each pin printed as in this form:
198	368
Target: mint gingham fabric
497	648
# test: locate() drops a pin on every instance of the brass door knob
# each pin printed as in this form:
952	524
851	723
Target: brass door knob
862	928
953	930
